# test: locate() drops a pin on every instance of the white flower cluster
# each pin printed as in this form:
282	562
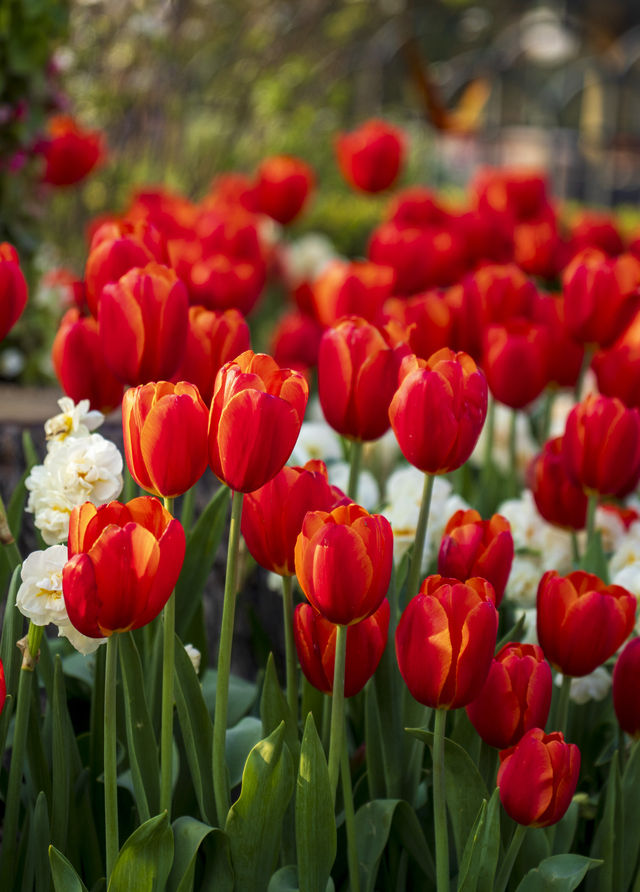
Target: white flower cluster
40	596
624	566
307	257
80	466
526	447
594	686
402	508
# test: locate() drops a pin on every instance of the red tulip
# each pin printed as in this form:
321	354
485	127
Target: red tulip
596	230
475	547
357	377
626	688
272	515
515	697
581	621
116	247
70	152
504	292
79	363
143	321
124	561
601	295
565	356
558	499
421	258
13	289
371	156
515	361
418	207
295	341
357	288
212	339
438	410
445	641
283	186
165	436
601	446
617	369
343	562
424	322
315	639
538	777
256	415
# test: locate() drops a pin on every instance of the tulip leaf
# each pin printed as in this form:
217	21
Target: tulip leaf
202	544
63	873
142	746
373	824
144	862
189	836
12	629
559	873
563	833
377	766
631	812
480	857
254	822
515	633
465	788
316	839
275	709
239	742
608	841
197	730
36	870
242	695
60	804
286	880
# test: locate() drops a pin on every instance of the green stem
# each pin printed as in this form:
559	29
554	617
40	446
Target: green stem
562	709
513	454
349	817
592	506
110	761
290	646
439	803
186	512
510	858
355	463
337	708
327	700
10	547
413	580
166	722
546	414
220	779
575	549
488	444
16	770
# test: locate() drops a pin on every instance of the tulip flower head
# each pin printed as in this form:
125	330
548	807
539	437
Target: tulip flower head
124	561
626	688
343	561
283	186
516	361
438	410
70	152
445	641
165	436
315	639
371	156
558	498
256	414
13	289
538	777
581	621
475	547
515	697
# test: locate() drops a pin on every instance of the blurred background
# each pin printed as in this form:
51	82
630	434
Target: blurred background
186	89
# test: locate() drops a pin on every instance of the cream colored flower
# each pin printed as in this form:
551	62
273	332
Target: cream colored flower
316	441
307	257
73	421
194	655
594	686
368	494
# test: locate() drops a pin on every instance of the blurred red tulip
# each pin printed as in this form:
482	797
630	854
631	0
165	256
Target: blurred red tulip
424	322
295	341
558	498
283	185
315	639
626	688
515	360
581	621
13	289
565	355
371	156
70	153
356	288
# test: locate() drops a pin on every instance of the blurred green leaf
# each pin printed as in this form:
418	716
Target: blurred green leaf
560	873
608	843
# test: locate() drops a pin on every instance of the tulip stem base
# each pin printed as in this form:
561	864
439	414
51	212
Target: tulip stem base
337	709
413	581
562	709
509	859
575	550
349	817
220	778
110	761
290	646
440	804
355	463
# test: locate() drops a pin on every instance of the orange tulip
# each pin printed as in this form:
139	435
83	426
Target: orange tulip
124	561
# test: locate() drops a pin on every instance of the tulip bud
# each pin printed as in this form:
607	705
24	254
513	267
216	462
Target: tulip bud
538	777
475	547
165	436
581	621
438	410
283	186
371	156
445	641
626	688
343	562
315	639
515	697
255	418
70	152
